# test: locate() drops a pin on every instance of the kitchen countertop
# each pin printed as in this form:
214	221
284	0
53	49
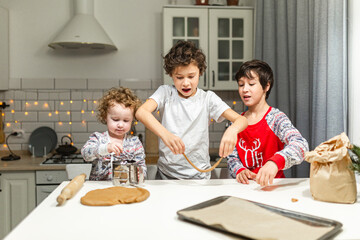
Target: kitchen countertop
26	163
156	217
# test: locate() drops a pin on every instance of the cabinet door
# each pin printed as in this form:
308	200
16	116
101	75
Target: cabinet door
4	49
17	199
230	44
185	24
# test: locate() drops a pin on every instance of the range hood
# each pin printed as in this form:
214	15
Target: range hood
83	30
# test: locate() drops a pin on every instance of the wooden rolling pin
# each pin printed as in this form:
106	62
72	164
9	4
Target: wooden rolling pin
71	189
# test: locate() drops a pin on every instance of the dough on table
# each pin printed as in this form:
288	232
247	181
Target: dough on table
114	195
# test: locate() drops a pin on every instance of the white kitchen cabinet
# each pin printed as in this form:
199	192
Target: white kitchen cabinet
17	198
4	49
225	35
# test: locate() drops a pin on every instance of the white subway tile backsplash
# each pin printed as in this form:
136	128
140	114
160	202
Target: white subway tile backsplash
96	127
30	83
102	83
66	83
78	127
26	116
62	127
59	93
19	95
29	127
38	106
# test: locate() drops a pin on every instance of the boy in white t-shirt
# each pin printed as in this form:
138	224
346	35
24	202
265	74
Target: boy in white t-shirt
186	112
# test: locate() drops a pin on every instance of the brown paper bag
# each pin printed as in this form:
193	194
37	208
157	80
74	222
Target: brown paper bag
331	179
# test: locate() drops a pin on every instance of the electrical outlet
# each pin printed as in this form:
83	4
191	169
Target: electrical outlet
18	133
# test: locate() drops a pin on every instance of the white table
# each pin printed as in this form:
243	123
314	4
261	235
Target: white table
156	217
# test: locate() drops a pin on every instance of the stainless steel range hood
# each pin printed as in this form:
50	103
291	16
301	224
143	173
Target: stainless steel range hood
83	30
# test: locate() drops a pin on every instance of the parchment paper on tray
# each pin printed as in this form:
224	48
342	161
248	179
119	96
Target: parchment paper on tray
244	218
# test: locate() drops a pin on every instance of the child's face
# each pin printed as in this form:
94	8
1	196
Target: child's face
251	91
186	79
118	120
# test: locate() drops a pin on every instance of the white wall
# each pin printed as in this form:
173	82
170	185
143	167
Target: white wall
135	26
354	71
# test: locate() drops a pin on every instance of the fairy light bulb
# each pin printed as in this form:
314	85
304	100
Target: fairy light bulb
11	101
2	114
62	103
70	123
56	112
12	111
27	104
83	122
50	114
60	123
82	111
68	112
46	105
84	100
92	112
135	122
95	102
26	113
234	102
4	146
36	103
71	101
16	121
8	124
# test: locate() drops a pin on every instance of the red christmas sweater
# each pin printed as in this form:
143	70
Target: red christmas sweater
273	138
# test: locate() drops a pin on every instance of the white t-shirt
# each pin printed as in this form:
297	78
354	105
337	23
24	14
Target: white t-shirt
188	119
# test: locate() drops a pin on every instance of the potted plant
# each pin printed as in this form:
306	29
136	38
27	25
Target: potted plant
355	158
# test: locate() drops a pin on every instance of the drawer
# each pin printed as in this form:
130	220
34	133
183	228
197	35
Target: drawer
51	177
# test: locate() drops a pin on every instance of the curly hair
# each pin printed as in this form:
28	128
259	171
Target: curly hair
182	54
119	95
261	68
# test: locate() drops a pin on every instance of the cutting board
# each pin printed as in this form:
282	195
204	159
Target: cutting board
2	135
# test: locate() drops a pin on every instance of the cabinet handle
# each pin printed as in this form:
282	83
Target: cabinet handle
205	79
213	73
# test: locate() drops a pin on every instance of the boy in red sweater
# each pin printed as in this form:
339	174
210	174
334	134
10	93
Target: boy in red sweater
270	143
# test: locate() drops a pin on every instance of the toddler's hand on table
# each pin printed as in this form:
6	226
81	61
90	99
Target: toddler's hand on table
245	175
228	142
115	148
267	173
174	143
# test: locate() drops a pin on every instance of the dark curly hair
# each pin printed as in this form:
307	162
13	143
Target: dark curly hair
262	69
182	54
119	95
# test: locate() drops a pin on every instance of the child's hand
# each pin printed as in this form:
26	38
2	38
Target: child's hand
267	173
115	147
175	143
245	175
228	142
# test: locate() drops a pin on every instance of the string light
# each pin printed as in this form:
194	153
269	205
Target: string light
60	123
82	111
27	104
234	102
16	121
68	112
36	103
26	113
70	123
92	112
50	114
71	101
12	111
95	101
5	146
84	100
56	112
8	124
83	122
46	105
62	103
11	101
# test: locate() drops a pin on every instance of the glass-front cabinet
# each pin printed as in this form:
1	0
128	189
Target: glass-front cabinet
225	35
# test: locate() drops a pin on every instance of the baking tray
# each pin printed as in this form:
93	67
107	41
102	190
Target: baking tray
301	217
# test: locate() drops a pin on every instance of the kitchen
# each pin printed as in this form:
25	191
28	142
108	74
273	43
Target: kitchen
43	81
